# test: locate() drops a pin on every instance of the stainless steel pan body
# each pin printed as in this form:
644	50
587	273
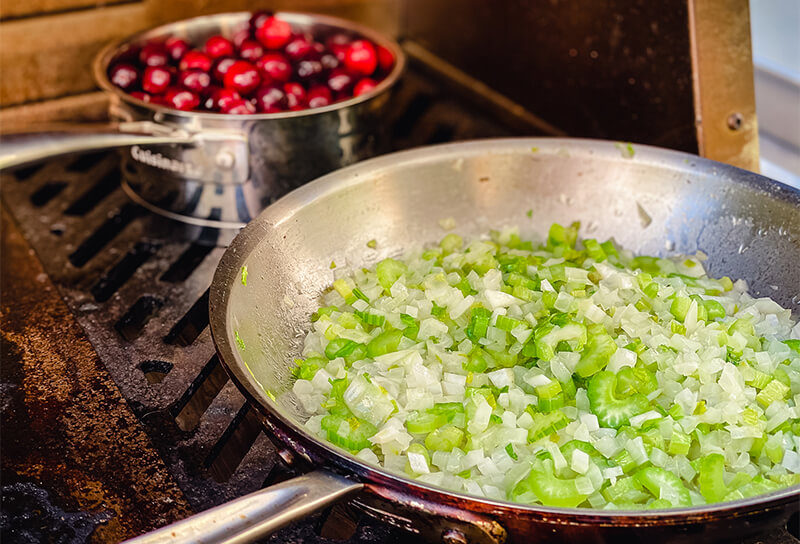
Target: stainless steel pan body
651	200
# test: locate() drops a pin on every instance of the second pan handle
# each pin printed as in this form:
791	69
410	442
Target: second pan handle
258	514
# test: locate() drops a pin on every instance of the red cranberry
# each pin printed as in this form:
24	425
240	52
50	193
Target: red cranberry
258	18
124	76
221	67
217	46
364	86
176	48
361	58
385	59
329	61
298	48
181	99
241	35
274	33
156	79
295	96
251	50
270	99
154	54
340	80
308	69
195	80
195	60
139	95
239	106
275	67
243	77
338	44
128	54
221	99
319	96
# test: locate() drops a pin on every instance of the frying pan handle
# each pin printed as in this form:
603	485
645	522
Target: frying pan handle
18	148
257	514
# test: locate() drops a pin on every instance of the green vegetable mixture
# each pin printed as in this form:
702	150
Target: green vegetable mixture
565	373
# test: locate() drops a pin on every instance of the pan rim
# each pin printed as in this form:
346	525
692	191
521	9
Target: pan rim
280	211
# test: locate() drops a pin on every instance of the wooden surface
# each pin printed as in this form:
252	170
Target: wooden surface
47	46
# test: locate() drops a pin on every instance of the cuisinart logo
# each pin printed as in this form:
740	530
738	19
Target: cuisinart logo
157	160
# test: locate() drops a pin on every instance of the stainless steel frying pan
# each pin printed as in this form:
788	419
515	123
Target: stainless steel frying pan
651	200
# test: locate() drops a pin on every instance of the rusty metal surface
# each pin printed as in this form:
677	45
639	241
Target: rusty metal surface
722	65
613	69
71	448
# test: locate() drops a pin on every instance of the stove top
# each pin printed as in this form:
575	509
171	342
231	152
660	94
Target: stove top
117	415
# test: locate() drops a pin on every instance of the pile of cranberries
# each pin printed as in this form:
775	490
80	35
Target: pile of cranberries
265	67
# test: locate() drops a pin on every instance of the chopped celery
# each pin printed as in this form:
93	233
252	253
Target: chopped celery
385	342
610	410
445	438
664	485
552	490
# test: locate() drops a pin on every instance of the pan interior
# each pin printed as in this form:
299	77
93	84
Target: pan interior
650	200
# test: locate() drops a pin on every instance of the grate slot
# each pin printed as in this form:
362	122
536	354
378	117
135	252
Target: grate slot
417	106
190	259
122	271
85	162
27	172
155	371
103	235
234	444
131	324
95	194
185	331
46	193
198	397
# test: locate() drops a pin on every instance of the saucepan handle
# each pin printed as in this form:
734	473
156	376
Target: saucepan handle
18	148
257	514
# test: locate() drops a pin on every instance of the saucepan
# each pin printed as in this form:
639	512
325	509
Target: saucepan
216	169
651	200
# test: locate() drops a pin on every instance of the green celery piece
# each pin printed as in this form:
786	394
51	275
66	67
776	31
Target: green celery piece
560	236
449	409
596	457
680	307
595	356
774	391
664	485
647	264
445	438
794	345
389	271
714	309
594	250
339	347
548	336
710	477
679	443
477	361
546	424
385	342
451	242
626	490
502	358
478	323
549	391
307	369
659	504
758	486
651	290
548	405
511	453
359	352
419	422
507	323
356	439
632	380
552	490
610	410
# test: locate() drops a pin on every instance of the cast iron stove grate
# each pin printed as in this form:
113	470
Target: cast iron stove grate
138	285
